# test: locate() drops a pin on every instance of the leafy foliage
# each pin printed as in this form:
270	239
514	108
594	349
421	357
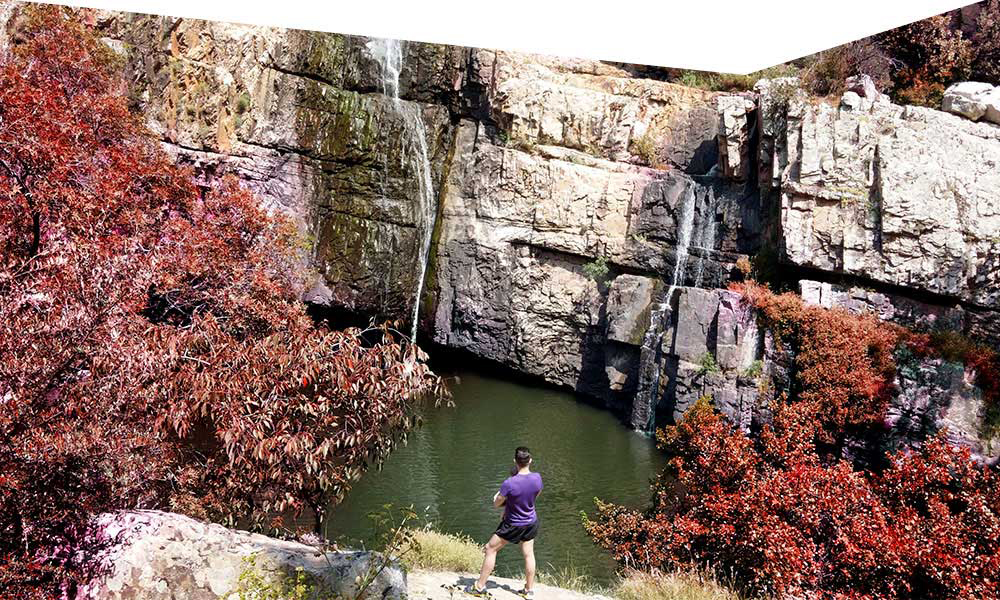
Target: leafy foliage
783	514
986	43
827	71
788	521
140	314
253	584
597	269
708	365
931	53
844	362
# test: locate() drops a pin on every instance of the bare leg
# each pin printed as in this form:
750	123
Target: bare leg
489	559
528	550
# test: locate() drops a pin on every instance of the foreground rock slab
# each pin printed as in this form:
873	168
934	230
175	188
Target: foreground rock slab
156	555
441	585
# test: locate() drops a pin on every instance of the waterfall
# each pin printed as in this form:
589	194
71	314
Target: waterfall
389	54
688	236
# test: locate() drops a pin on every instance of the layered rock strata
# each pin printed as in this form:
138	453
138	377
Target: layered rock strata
540	168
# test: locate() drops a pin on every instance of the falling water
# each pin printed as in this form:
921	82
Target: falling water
644	407
389	54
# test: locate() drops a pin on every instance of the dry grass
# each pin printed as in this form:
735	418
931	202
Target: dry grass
672	586
570	578
436	551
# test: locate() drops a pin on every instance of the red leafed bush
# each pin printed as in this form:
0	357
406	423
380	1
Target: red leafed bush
139	313
781	520
844	362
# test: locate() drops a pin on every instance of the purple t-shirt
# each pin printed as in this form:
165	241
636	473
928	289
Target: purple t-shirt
520	492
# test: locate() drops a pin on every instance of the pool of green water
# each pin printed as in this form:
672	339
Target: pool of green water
452	466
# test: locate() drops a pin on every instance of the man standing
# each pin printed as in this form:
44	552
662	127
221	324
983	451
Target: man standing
519	525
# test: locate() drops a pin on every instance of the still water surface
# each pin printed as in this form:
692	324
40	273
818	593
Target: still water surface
453	465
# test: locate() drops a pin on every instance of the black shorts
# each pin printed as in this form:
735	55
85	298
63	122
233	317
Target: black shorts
515	534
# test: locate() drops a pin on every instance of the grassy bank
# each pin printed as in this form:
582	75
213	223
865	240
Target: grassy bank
436	551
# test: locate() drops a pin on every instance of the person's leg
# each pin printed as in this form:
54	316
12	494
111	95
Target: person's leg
490	559
528	550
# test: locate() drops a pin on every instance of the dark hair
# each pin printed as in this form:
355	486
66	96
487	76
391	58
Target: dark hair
522	456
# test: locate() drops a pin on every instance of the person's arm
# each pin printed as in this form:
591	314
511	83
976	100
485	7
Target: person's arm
501	496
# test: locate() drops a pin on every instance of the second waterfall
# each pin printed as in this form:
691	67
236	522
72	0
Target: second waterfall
389	54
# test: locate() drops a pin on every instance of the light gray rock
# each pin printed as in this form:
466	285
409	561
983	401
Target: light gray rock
695	324
967	98
155	555
864	86
737	116
922	316
737	337
628	307
700	327
904	196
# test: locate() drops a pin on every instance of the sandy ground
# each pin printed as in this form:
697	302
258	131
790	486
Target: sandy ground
441	585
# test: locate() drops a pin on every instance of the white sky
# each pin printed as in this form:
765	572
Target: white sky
734	36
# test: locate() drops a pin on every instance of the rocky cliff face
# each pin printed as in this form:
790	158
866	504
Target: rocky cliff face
896	197
585	217
539	167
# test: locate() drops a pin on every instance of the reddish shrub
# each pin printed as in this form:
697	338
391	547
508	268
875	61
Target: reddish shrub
137	311
844	361
773	515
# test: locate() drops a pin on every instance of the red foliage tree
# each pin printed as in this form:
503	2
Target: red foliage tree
783	521
139	313
845	365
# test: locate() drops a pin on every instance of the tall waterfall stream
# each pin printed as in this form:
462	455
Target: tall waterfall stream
389	54
689	234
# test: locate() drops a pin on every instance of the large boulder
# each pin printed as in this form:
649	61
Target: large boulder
156	555
967	98
864	86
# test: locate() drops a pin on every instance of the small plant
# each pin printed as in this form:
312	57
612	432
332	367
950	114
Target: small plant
569	577
243	103
744	266
437	551
597	269
255	585
754	370
395	538
645	148
708	365
679	585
